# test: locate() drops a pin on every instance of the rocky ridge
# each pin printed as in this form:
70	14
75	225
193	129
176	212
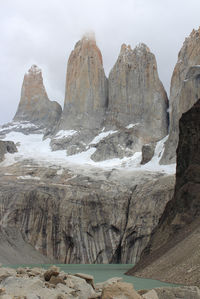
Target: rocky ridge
189	56
178	227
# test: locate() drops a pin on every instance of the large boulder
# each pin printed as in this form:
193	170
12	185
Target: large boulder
7	147
34	105
188	56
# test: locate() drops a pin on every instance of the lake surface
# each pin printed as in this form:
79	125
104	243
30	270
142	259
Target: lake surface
102	272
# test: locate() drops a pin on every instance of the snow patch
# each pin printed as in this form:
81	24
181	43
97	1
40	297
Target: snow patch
28	177
101	136
64	134
33	147
132	125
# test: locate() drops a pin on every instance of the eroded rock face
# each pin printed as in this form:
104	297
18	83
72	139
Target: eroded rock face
86	87
136	95
189	56
34	105
74	218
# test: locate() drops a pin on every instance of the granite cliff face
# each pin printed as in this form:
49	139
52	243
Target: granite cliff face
136	95
73	216
86	88
176	239
188	56
34	105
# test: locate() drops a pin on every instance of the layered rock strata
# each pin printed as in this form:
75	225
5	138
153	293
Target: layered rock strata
34	105
188	56
86	88
136	94
176	239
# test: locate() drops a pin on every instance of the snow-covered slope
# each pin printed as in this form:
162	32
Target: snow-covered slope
33	147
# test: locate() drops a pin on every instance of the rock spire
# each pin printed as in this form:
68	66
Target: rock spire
136	95
86	87
35	105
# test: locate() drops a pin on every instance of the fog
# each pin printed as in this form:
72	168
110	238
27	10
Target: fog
44	33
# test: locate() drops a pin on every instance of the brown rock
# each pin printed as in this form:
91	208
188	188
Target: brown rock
53	271
120	290
86	87
136	94
34	105
56	279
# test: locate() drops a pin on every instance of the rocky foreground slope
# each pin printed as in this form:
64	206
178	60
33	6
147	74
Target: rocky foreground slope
55	284
173	252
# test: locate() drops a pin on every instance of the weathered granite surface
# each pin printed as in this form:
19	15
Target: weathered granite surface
34	105
86	88
188	56
136	94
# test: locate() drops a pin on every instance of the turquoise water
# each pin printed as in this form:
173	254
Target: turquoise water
102	272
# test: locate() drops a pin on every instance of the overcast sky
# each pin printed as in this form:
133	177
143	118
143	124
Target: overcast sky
44	32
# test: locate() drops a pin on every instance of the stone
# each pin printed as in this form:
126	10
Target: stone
34	105
113	280
56	279
136	94
152	294
7	147
88	278
86	87
120	290
178	292
82	288
53	271
6	272
188	56
147	152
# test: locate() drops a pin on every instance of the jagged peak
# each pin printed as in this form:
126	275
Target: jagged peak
34	70
141	47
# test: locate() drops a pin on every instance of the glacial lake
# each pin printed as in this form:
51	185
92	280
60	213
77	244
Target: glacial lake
102	272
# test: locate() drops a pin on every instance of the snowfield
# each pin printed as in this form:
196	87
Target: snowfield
33	147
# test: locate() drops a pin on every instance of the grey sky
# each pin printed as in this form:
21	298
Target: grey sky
44	32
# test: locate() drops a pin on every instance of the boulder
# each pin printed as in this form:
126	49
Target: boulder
53	271
120	290
7	147
147	152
